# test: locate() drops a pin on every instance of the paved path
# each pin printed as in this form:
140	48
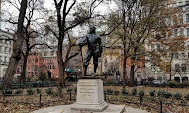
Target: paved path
111	109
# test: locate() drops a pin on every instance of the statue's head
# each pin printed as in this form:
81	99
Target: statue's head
92	29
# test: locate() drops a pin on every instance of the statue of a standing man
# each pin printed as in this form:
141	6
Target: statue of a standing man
94	48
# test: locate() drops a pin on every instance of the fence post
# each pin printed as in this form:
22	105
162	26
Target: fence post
161	109
40	100
70	96
105	96
140	100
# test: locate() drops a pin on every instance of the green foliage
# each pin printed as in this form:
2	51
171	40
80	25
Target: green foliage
134	91
141	93
116	92
152	92
69	90
161	93
38	91
19	91
49	91
109	91
59	89
30	91
178	96
124	91
187	96
172	83
7	91
168	95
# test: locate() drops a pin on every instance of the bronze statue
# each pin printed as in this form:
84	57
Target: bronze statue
94	48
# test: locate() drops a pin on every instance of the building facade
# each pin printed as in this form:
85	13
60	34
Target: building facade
5	51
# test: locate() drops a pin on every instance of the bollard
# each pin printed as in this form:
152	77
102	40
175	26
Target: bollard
40	101
70	96
161	109
140	100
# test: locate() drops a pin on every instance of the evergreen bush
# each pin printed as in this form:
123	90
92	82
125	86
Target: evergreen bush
30	91
152	92
178	96
141	93
49	91
134	91
19	91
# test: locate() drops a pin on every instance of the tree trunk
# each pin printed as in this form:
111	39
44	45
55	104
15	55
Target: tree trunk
17	48
124	66
23	74
60	65
132	75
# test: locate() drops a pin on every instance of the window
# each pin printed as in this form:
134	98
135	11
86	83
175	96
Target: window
49	66
174	4
187	18
181	19
36	60
54	66
183	67
5	59
45	53
175	32
152	47
177	67
158	46
138	74
182	32
187	5
180	5
182	55
52	53
187	32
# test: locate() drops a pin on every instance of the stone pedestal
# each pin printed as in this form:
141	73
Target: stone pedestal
90	96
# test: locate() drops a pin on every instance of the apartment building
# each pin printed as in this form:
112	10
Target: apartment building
179	70
5	51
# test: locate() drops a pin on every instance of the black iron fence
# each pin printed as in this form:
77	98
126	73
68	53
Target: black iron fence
36	99
156	104
40	99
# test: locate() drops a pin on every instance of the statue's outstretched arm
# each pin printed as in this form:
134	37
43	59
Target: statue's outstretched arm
82	42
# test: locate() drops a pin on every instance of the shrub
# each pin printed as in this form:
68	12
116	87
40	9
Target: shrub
69	90
19	91
30	91
124	91
167	95
161	93
59	89
172	83
109	91
152	92
7	91
116	92
187	96
49	91
134	91
38	91
141	93
178	96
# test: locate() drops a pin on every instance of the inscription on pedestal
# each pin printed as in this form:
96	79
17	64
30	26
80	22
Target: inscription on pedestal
87	90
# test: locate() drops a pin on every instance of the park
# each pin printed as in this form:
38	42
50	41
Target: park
96	56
